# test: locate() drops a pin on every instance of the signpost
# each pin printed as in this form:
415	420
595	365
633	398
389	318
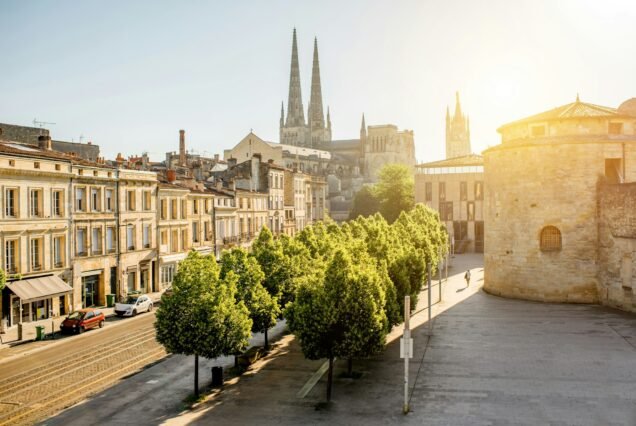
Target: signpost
406	350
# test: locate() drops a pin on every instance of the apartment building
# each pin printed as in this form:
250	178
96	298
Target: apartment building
275	201
252	214
225	220
172	230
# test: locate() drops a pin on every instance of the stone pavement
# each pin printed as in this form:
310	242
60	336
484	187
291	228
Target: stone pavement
491	361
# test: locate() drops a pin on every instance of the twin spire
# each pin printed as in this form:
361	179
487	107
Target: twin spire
295	111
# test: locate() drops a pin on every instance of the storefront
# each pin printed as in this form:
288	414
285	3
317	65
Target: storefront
36	299
91	288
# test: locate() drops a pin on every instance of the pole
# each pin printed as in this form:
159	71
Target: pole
439	276
406	337
428	269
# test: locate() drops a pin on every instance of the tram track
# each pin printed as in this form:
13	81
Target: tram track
57	382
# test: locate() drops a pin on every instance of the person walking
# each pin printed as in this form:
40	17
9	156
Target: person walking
467	278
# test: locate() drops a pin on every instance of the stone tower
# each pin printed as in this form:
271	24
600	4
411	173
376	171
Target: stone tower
457	132
294	130
320	133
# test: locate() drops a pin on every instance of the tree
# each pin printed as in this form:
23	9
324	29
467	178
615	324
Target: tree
395	191
340	314
262	306
201	316
3	279
365	203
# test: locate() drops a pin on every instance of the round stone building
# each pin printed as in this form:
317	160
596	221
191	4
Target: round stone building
544	228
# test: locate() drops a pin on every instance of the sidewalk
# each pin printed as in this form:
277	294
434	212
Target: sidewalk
51	325
490	361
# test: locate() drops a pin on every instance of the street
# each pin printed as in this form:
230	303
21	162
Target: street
37	385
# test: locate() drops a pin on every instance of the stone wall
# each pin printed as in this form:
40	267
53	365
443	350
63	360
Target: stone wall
617	246
24	134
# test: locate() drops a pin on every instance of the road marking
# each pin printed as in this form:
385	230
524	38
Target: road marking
313	380
152	382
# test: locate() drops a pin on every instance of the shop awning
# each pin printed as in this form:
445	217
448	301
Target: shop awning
33	289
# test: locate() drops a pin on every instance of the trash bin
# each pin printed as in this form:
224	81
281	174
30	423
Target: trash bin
39	332
217	376
110	300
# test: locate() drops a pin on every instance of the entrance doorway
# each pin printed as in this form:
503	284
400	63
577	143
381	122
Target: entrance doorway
90	291
132	276
145	275
113	280
479	237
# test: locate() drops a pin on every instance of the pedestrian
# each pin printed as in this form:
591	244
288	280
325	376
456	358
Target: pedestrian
467	278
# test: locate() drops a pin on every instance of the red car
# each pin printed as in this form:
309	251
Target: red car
82	320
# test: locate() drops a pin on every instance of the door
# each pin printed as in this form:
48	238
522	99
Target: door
144	281
15	310
90	290
131	281
88	320
479	237
113	280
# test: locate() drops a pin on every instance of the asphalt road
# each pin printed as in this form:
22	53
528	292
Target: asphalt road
40	383
151	396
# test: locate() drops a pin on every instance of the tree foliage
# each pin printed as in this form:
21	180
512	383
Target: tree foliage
3	279
395	191
263	308
365	203
201	316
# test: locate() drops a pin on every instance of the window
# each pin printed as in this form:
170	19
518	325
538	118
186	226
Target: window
58	167
80	172
80	199
130	200
146	236
470	210
164	209
615	128
81	241
173	209
147	201
110	239
479	190
36	254
195	232
174	242
164	237
184	240
206	231
58	203
95	199
11	254
195	206
463	191
109	200
442	191
428	191
58	251
95	173
184	209
96	241
36	165
446	210
537	131
207	206
167	274
12	163
550	239
35	202
11	202
130	237
613	170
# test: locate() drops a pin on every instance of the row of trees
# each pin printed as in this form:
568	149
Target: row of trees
341	288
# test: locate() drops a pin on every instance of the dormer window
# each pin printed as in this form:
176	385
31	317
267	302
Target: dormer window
537	131
615	128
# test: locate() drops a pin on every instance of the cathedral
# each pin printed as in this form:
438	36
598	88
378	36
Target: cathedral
315	132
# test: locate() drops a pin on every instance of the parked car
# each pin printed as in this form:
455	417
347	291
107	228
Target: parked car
133	305
82	320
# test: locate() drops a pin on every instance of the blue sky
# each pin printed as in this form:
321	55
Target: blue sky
129	75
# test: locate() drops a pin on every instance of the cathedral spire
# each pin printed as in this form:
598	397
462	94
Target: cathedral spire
295	112
282	114
363	128
315	114
328	119
458	108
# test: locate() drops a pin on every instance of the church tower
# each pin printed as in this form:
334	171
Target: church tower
457	132
294	130
320	134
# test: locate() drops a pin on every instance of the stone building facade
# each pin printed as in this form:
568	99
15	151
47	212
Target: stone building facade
546	238
455	188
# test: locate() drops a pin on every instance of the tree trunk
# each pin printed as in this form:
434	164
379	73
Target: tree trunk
266	340
329	378
196	376
350	366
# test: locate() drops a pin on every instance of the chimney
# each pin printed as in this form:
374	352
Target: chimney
171	175
182	154
216	158
44	142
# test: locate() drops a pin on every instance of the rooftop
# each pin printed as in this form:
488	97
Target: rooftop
467	160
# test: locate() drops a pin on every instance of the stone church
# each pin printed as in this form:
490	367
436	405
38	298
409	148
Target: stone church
306	143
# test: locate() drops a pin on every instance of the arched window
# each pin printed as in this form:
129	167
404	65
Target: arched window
550	239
